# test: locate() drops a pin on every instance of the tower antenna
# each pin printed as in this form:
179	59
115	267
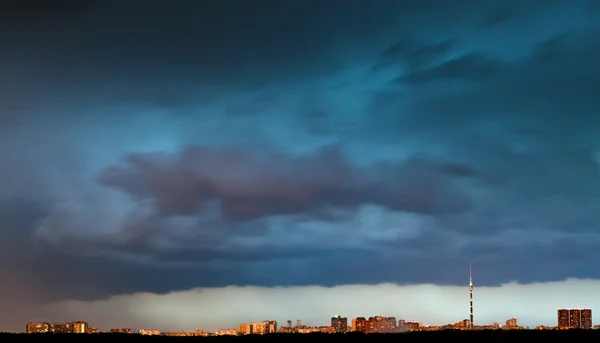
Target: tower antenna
471	293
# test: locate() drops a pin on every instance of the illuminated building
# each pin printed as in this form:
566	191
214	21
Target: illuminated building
38	327
574	318
80	327
150	332
61	328
381	324
245	329
227	332
359	324
408	326
93	330
586	318
339	324
268	326
511	323
563	318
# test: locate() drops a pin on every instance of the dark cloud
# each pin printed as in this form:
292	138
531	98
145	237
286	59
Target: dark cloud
499	15
249	186
413	55
469	67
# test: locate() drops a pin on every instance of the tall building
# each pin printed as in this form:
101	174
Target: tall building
38	327
575	318
563	318
471	293
298	323
245	329
80	327
359	324
586	318
339	324
268	326
511	323
379	324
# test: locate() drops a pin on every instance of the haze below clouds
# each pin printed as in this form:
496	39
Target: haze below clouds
167	147
205	308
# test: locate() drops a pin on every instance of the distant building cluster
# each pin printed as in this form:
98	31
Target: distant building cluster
267	326
574	318
72	327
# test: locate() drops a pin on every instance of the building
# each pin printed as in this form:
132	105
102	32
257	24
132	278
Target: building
227	332
61	328
339	324
245	329
511	323
586	318
80	327
563	318
268	326
404	326
93	330
359	324
126	330
149	332
379	324
38	327
574	318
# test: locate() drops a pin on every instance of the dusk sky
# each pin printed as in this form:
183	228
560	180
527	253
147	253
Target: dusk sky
194	164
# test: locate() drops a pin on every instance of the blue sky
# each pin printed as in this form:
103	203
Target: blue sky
172	147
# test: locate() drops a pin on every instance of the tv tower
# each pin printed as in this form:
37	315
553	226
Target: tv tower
471	293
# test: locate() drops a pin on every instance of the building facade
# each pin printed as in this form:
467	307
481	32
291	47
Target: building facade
268	326
586	318
80	327
339	324
574	318
38	327
227	332
359	324
379	324
511	323
61	328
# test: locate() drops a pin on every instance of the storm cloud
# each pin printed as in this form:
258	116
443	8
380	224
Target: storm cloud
163	147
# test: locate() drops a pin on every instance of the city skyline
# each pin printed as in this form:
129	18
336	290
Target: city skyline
436	322
567	318
169	164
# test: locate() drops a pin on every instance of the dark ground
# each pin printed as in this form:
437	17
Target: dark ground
463	336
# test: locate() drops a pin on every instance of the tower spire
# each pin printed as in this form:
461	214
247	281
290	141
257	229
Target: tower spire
471	293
